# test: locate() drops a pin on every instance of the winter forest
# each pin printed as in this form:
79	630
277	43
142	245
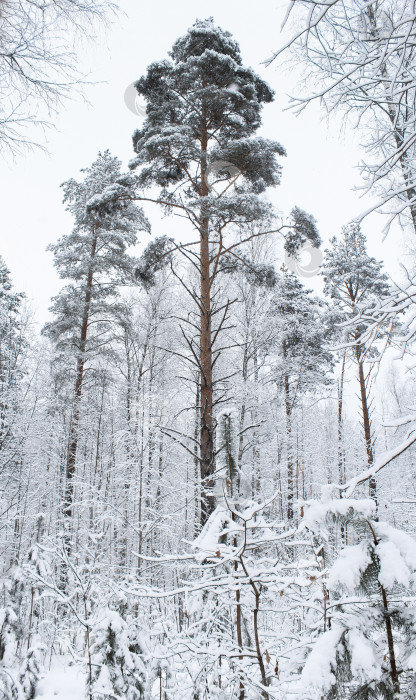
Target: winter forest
207	450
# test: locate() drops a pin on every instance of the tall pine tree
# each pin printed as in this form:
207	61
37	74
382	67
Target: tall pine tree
303	361
12	345
354	280
94	258
197	146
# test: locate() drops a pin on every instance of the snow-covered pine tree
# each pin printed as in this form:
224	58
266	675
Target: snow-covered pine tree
303	362
31	669
12	346
9	687
8	631
117	670
18	611
303	230
140	676
251	279
94	258
368	648
227	436
38	575
14	410
197	145
10	339
355	281
12	606
11	610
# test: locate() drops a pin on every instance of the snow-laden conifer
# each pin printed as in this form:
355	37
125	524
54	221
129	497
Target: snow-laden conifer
11	632
303	361
354	281
31	668
117	665
94	258
367	650
198	147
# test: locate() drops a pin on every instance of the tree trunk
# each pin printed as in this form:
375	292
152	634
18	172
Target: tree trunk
289	447
242	418
123	549
341	461
238	614
255	416
207	423
197	484
394	672
341	457
73	430
366	421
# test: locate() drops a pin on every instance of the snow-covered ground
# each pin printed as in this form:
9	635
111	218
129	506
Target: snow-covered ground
62	682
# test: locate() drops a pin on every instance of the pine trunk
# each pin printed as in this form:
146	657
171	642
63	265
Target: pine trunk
289	446
207	425
341	462
366	421
73	431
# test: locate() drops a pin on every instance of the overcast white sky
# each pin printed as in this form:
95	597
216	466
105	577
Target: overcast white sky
319	171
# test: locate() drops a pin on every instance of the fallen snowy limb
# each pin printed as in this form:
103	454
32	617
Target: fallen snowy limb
378	465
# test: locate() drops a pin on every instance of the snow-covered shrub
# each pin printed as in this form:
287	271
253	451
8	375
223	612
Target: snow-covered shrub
10	630
368	649
18	595
117	670
30	670
9	687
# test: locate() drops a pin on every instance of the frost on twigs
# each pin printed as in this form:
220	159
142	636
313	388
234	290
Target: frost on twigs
358	60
